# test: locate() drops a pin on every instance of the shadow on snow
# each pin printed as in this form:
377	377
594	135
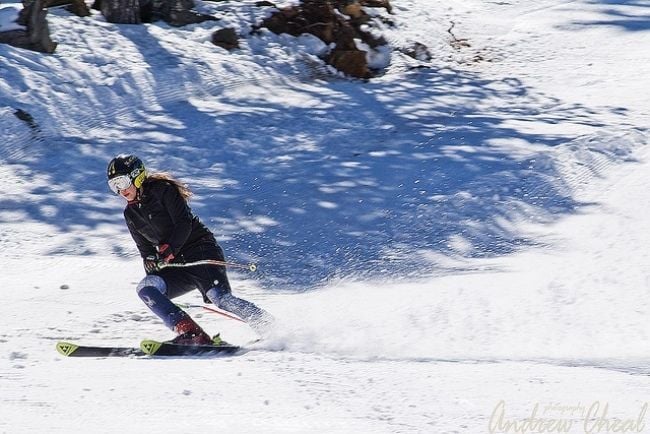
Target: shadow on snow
314	181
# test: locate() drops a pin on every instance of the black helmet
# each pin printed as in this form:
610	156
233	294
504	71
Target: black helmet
125	167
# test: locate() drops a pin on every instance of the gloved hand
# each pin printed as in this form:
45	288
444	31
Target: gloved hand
165	253
151	263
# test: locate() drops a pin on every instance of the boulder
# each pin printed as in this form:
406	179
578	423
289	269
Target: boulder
226	38
335	22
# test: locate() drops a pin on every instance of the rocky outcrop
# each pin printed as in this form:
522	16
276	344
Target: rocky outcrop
337	23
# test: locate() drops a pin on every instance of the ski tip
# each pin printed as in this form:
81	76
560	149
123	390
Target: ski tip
66	348
150	347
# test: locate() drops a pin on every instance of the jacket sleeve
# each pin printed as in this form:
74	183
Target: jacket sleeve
180	215
144	246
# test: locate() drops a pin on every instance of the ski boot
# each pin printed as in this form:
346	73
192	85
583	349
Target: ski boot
189	333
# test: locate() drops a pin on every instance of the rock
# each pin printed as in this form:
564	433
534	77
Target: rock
121	11
37	35
184	17
378	4
77	7
350	62
226	38
418	51
353	10
335	22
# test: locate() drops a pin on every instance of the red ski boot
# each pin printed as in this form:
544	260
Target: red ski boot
190	333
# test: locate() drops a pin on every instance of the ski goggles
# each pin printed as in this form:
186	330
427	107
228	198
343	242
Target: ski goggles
119	183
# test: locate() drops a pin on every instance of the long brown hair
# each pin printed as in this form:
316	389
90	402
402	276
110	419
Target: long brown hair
183	189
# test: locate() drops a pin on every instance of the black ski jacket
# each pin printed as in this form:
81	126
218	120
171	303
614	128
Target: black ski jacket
162	216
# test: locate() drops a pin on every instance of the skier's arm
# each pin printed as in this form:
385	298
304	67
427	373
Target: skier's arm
181	216
144	246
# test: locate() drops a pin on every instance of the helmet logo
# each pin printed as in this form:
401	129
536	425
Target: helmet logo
128	165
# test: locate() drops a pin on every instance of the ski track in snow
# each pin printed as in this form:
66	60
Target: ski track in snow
448	236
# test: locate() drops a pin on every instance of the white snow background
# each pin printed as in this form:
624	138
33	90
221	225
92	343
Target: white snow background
458	243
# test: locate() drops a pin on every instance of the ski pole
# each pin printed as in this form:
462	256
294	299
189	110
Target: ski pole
210	309
249	267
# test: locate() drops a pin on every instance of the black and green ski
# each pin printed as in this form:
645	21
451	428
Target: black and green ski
69	349
156	348
147	348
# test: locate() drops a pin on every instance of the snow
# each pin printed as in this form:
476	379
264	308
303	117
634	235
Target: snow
8	17
447	247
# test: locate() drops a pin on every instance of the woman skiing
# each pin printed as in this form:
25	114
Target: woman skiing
166	231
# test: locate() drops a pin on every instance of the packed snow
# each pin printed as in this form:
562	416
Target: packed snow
459	245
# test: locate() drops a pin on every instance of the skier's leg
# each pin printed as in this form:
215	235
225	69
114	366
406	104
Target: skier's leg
153	291
257	318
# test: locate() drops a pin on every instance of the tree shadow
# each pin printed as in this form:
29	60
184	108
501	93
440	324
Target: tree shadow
375	176
313	180
617	17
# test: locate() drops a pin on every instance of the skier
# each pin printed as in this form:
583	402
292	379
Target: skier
166	231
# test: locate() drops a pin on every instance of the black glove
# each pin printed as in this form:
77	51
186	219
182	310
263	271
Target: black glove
151	263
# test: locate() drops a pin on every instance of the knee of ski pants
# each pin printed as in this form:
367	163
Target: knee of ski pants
155	281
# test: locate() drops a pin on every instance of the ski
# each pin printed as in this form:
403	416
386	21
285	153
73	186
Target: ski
69	349
147	348
156	348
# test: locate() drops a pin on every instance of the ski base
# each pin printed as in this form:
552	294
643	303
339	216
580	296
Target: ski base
69	349
156	348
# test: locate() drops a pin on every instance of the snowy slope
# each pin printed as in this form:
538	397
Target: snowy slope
448	236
